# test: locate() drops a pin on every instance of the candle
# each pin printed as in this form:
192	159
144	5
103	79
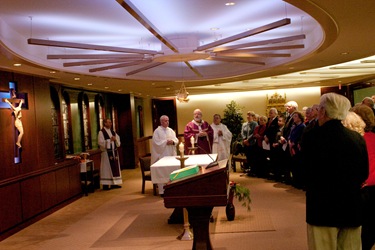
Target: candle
181	148
192	141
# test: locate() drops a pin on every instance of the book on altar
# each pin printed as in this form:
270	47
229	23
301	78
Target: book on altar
184	172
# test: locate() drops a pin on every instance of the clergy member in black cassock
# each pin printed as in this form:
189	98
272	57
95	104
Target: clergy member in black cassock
108	141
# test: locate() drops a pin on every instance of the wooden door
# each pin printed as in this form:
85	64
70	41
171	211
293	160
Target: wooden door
164	107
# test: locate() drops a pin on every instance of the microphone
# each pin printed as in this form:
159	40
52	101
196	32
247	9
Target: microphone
213	163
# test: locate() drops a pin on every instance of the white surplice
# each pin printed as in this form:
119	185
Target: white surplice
221	144
159	147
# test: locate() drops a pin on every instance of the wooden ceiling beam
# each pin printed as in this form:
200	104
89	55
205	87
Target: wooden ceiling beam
264	42
52	43
248	33
119	65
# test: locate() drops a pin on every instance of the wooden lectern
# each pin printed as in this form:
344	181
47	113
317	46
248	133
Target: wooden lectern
199	194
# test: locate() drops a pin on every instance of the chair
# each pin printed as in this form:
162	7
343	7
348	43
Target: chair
89	176
145	163
237	155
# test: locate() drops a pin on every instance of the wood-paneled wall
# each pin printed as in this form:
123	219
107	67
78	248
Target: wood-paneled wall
39	183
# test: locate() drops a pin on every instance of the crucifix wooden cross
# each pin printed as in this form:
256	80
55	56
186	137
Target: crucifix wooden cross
16	102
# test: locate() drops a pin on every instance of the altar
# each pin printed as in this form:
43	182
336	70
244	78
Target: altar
161	169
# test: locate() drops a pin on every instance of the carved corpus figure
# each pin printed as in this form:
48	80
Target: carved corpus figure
17	120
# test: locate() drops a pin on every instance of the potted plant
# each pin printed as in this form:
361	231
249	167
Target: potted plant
233	119
242	194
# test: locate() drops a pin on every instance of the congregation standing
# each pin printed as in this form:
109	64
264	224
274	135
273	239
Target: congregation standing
335	166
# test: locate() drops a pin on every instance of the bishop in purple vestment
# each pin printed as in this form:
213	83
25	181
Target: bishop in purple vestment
201	132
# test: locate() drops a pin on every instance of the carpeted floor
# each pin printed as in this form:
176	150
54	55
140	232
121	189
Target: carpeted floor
254	221
126	219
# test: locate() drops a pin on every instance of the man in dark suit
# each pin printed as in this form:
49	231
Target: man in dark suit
334	178
290	107
270	133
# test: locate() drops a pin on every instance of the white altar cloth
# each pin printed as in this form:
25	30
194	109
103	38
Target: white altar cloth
161	169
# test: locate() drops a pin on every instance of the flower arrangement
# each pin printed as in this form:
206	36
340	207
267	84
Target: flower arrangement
241	193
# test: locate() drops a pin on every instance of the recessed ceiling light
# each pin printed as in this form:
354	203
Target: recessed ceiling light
77	78
89	84
52	72
344	53
119	90
106	87
17	64
230	4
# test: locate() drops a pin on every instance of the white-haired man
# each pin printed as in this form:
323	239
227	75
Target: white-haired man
202	134
290	107
164	143
334	178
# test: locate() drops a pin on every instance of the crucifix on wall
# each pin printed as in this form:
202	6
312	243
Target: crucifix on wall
15	101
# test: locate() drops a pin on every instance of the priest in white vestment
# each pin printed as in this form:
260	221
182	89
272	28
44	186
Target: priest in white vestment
222	139
164	142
